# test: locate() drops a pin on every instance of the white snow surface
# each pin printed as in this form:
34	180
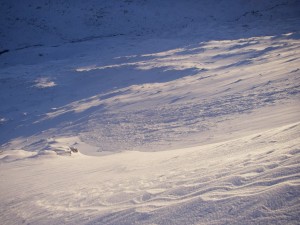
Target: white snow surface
183	112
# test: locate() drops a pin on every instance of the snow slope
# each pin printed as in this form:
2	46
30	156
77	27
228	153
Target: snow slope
182	96
256	183
183	112
32	23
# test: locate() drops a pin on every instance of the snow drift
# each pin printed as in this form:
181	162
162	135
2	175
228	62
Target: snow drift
183	112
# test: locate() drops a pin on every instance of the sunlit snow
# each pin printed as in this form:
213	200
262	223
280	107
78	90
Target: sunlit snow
150	112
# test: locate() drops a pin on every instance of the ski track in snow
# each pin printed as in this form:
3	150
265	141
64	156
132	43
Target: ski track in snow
185	116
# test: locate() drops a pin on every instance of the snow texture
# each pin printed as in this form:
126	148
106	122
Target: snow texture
149	112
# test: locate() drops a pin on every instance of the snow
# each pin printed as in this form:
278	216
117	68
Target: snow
257	182
183	112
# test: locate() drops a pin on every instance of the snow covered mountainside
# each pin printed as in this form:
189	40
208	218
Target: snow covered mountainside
32	23
183	112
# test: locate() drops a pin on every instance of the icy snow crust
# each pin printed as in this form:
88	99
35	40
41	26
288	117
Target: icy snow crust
183	112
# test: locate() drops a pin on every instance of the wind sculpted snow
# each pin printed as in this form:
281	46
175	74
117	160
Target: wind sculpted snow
175	98
256	183
188	119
